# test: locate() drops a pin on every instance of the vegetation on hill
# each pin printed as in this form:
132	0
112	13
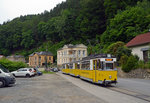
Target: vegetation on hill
95	23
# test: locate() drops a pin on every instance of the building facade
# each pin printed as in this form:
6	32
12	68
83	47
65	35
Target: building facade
140	46
40	59
70	53
16	58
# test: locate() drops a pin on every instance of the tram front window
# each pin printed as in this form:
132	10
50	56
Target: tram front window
109	65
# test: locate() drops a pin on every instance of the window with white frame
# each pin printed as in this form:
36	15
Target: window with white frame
83	52
79	52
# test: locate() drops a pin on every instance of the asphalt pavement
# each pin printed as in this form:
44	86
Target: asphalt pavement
120	93
60	88
136	85
49	88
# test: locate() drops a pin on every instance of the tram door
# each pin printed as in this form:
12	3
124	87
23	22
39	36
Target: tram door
94	70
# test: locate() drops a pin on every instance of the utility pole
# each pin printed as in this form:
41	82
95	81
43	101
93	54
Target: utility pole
46	58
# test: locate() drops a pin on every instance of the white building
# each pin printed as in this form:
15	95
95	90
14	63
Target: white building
70	53
140	46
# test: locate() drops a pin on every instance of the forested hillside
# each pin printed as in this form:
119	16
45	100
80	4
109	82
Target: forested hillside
96	23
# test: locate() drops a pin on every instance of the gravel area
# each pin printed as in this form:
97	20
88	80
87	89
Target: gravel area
49	88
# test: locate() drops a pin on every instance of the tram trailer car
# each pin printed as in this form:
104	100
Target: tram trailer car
99	68
74	68
65	68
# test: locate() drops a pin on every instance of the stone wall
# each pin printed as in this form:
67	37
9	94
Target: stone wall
137	73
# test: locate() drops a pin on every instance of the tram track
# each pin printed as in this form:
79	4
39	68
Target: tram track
131	93
114	93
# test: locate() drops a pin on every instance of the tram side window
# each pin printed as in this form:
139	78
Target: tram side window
63	66
101	65
98	64
109	65
67	66
71	66
85	66
78	66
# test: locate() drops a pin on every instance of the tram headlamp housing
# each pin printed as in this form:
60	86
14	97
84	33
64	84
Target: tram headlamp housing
110	76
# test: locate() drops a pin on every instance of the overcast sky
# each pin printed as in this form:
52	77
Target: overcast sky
9	9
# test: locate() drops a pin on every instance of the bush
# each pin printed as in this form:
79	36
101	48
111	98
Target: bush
132	63
122	51
12	66
112	49
123	59
141	64
118	49
147	65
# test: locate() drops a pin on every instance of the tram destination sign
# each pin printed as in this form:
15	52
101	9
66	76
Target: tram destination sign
108	59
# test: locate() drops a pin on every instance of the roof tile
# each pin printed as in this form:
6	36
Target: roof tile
139	40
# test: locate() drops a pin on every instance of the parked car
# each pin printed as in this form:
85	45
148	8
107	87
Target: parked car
54	70
38	72
6	78
27	72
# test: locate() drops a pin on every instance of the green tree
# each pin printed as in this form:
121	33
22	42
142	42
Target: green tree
127	24
91	21
27	41
112	6
118	49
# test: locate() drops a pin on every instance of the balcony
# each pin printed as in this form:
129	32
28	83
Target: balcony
71	56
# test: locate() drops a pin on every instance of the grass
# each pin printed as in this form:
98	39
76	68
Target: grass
48	72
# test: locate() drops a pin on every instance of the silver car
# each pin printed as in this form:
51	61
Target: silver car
6	78
26	72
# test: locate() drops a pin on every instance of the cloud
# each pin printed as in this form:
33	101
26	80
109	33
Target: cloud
10	9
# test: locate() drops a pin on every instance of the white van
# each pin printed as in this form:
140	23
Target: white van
6	78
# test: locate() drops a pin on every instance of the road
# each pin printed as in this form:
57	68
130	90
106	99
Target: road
49	88
126	91
136	85
139	88
60	88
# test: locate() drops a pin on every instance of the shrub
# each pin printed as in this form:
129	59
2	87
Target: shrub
123	59
141	64
118	49
147	65
132	63
122	51
12	66
112	49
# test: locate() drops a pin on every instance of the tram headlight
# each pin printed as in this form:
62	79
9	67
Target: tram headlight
110	76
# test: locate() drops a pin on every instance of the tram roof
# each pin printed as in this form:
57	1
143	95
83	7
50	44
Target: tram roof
98	56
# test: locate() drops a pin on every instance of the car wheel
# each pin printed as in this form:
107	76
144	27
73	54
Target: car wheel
27	75
2	83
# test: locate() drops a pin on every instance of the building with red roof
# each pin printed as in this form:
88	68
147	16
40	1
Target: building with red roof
140	46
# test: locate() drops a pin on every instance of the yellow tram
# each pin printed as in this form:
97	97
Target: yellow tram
65	68
99	68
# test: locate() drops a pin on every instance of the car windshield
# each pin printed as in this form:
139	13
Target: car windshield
4	69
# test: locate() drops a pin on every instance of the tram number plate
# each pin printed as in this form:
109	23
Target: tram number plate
109	59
